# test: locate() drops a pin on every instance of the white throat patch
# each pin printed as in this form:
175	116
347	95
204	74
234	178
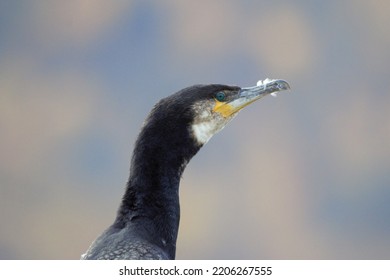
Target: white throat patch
206	122
204	131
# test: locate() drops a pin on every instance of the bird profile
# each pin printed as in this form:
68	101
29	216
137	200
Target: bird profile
147	221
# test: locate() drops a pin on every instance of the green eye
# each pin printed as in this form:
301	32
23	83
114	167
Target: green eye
220	96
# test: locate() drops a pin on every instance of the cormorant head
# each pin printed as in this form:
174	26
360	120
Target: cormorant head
198	112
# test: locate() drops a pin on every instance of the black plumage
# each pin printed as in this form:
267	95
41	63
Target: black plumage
147	221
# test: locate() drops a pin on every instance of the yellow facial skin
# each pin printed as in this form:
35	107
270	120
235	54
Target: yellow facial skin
228	109
223	108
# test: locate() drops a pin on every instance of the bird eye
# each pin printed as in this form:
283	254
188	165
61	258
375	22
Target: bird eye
220	96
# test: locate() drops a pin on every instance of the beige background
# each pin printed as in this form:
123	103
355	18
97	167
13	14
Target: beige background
302	176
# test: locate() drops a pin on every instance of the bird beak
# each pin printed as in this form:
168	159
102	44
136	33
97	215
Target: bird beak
249	95
263	88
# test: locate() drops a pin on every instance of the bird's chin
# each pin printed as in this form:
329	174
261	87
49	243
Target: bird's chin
204	130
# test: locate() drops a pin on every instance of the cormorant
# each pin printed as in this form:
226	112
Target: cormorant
147	221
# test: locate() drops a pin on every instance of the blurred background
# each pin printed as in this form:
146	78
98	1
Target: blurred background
302	176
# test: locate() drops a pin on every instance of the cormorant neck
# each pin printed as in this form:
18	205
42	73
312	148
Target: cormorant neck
151	200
